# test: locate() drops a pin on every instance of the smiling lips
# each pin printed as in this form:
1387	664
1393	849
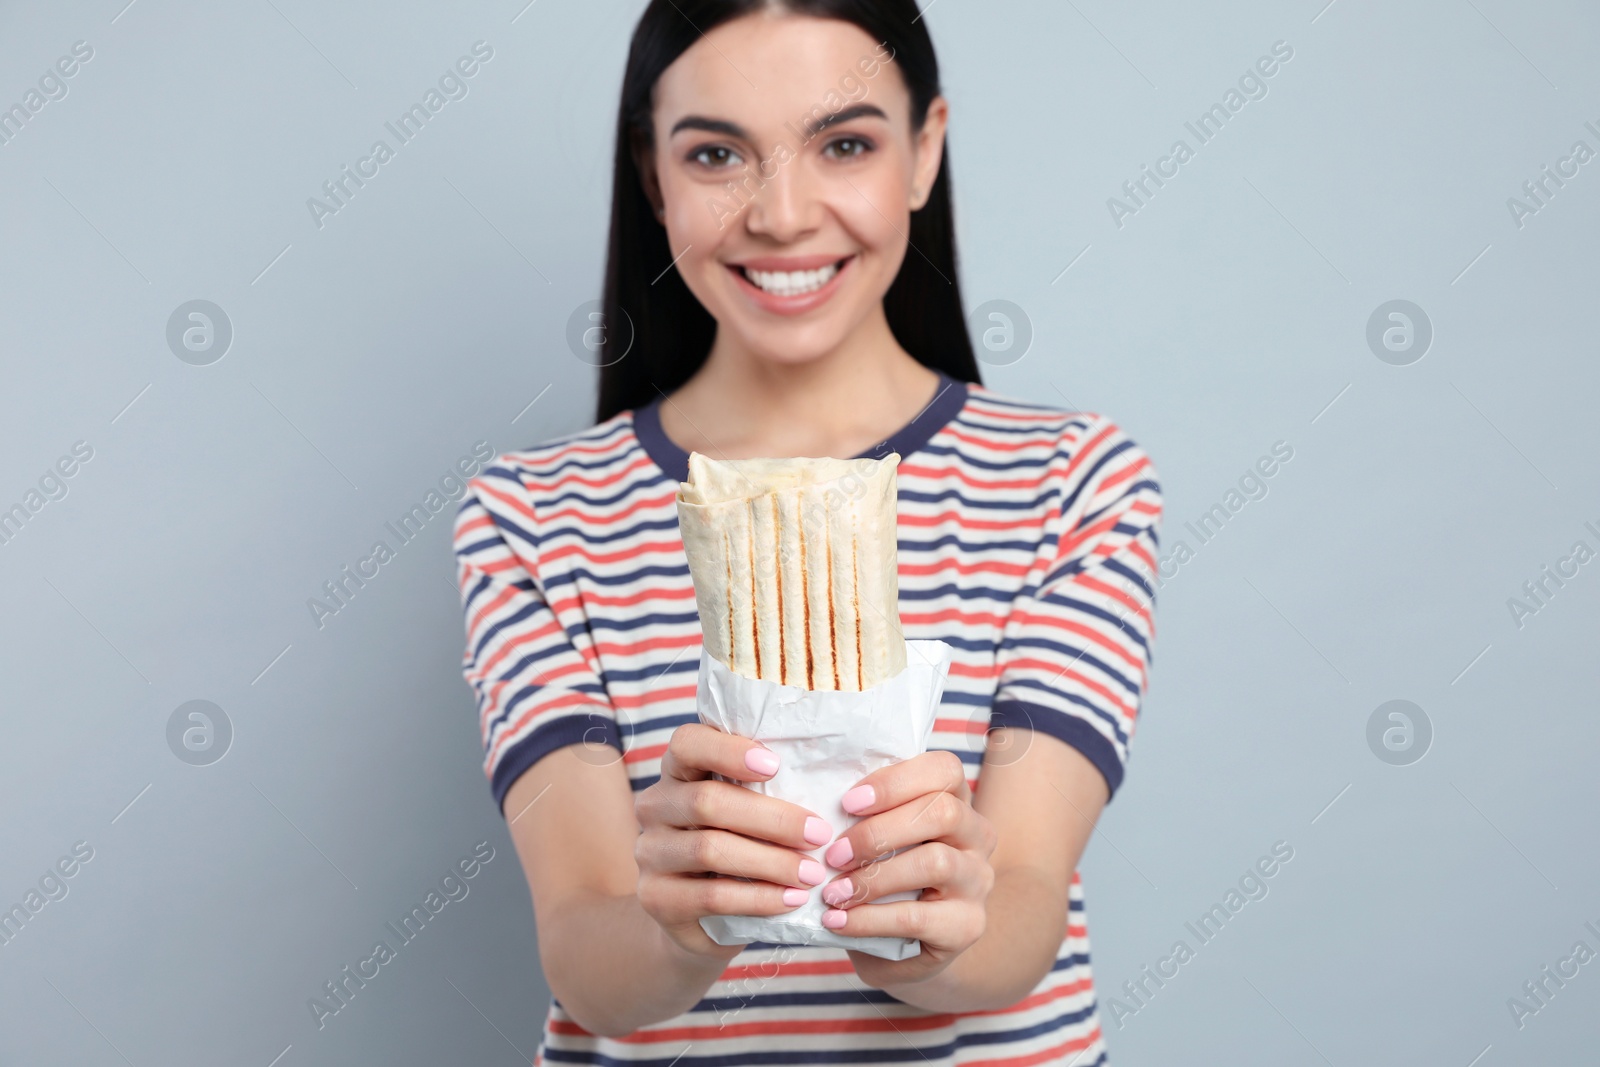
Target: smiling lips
790	285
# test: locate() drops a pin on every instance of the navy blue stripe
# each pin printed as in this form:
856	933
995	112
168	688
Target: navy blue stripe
545	738
569	577
981	592
1060	715
906	544
1074	731
956	495
640	480
596	538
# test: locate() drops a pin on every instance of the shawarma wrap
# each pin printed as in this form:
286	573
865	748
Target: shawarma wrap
795	568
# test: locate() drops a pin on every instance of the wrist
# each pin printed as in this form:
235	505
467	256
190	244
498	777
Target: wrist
693	964
943	991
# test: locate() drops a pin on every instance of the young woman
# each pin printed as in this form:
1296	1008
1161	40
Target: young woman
782	282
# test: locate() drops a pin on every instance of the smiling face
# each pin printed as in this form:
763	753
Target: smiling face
792	259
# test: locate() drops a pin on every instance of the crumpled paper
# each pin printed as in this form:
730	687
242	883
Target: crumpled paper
826	742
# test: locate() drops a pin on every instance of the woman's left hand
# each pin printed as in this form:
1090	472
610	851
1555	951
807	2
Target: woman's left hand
923	805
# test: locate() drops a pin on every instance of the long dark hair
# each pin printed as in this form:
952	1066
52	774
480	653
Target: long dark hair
672	331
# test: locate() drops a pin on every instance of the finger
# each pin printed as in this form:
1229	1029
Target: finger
726	806
898	783
684	898
697	751
931	817
721	852
937	923
934	865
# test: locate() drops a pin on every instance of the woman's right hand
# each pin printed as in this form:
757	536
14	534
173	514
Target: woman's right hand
694	828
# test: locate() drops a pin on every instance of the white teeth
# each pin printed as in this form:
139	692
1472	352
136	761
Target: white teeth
791	283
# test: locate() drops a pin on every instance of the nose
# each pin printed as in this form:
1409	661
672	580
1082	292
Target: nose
785	206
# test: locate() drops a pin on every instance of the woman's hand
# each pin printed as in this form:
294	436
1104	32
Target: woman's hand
694	827
923	803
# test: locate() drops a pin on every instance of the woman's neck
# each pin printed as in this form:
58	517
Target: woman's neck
739	405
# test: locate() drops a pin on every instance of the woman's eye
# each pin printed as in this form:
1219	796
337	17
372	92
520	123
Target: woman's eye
849	147
715	156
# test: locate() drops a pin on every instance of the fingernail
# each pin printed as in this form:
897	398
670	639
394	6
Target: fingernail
812	873
818	832
833	919
761	760
858	799
838	892
839	853
795	897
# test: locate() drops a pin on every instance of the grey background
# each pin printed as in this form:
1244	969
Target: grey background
369	354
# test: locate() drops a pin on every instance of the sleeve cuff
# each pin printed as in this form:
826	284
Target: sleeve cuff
594	728
1069	728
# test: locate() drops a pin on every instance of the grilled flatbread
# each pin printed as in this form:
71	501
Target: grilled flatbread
795	567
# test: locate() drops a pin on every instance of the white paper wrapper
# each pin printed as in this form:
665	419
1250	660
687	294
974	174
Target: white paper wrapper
826	742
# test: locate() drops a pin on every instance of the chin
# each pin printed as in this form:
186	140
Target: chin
769	347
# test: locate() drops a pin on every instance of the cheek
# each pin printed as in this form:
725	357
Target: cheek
874	208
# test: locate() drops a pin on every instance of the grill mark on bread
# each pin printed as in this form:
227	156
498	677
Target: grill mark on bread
727	563
833	610
755	616
783	651
805	600
855	593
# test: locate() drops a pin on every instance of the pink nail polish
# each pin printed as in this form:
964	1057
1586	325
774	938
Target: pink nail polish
794	897
761	760
818	832
833	919
837	892
812	872
839	853
857	799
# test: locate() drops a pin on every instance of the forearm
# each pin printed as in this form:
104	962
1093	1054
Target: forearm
1025	920
615	970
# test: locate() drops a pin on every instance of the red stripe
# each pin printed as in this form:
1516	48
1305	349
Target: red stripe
652	695
578	448
919	570
566	700
1117	478
1049	1055
1082	630
1023	523
1085	533
1085	449
875	1024
936	473
958	669
598	518
787	969
602	481
473	524
1056	673
495	566
963	726
485	489
482	670
619	556
965	618
1023	416
644	753
621	600
998	443
649	644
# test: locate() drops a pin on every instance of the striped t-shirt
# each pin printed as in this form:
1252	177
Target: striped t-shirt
1026	538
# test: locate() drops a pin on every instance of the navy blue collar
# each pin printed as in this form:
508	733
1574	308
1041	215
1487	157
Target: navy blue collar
947	402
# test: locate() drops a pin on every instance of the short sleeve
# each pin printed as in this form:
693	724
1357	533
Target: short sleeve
536	691
1075	652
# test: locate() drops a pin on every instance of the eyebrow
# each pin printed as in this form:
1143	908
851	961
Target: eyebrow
733	129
